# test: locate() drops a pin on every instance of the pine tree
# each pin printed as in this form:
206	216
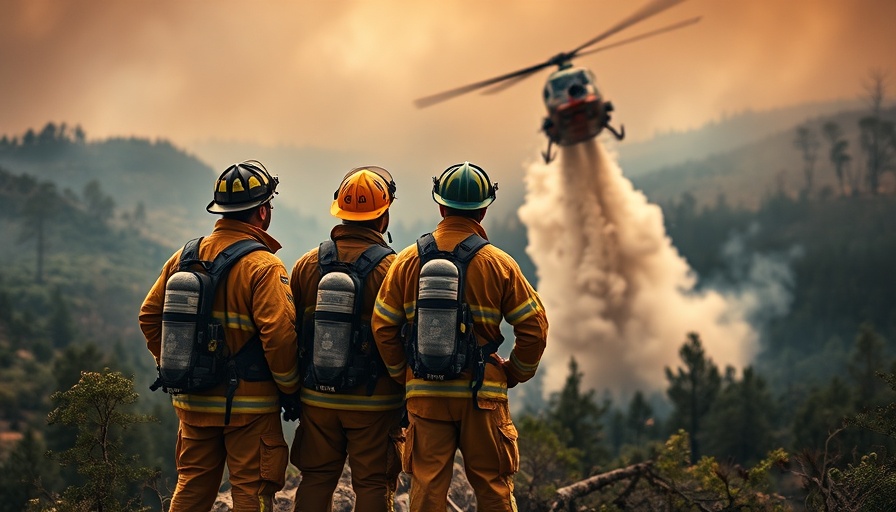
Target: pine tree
61	326
865	363
693	389
639	418
577	417
36	213
96	408
24	472
740	424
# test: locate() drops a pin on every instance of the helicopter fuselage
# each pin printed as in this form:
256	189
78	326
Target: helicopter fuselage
576	109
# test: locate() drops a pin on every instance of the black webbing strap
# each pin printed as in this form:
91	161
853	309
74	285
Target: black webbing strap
462	254
226	258
483	355
248	364
326	254
328	257
369	259
189	256
363	266
218	270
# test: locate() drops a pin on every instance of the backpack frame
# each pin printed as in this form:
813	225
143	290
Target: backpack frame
467	352
211	364
363	363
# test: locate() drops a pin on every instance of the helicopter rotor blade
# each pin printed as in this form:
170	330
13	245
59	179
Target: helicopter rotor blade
506	84
645	12
675	26
451	93
515	77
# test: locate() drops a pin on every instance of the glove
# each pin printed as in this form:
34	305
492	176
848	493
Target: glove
291	405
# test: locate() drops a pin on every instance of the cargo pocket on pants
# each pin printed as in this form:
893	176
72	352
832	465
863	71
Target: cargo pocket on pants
508	450
274	458
406	459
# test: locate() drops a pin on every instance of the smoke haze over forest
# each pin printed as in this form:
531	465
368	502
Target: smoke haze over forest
341	76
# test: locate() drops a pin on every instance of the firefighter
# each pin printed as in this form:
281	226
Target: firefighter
254	305
469	412
353	411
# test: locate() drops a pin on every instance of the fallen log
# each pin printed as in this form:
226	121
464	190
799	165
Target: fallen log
565	496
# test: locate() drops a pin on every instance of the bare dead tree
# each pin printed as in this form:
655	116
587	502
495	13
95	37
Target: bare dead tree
877	135
839	156
807	142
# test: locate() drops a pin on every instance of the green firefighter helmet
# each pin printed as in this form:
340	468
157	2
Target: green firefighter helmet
464	186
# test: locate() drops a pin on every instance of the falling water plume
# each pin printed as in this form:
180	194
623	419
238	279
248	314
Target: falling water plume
619	297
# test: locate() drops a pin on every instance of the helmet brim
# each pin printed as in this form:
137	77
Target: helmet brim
214	207
338	212
457	205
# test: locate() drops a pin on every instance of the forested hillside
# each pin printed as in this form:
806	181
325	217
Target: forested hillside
153	185
824	156
84	244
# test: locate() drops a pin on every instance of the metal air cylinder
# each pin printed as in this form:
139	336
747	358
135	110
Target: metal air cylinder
332	339
437	327
182	297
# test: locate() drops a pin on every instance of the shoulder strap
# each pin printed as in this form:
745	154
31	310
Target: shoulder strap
190	254
426	245
468	248
226	258
369	259
463	252
326	254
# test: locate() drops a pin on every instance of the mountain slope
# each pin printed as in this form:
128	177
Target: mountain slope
746	175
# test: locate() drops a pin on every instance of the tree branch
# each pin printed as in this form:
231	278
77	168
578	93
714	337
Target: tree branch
567	494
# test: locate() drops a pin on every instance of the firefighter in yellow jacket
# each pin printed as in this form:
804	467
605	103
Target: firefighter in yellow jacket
350	406
467	409
255	307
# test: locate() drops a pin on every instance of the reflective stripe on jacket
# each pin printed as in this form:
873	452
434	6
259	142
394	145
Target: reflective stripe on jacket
258	299
495	289
351	241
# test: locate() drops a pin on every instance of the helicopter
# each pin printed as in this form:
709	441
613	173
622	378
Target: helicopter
576	110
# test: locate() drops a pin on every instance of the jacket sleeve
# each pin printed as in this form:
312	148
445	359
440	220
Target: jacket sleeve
524	311
275	318
387	321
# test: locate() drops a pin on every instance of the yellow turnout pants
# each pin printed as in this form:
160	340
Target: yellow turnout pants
486	438
372	440
256	456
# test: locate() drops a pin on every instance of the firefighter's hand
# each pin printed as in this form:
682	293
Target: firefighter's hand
291	405
511	380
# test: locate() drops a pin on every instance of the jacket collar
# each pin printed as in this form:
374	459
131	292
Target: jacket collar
461	224
248	229
342	231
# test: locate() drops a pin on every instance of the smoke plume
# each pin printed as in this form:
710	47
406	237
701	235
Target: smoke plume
619	297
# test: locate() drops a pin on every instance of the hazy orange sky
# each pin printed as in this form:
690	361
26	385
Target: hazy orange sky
342	75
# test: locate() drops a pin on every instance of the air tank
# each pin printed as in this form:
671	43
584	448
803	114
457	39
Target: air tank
332	338
437	326
182	297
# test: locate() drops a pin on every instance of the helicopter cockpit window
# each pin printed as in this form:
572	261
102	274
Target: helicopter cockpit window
561	84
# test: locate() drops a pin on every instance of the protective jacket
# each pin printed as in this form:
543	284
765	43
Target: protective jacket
255	299
495	289
351	241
